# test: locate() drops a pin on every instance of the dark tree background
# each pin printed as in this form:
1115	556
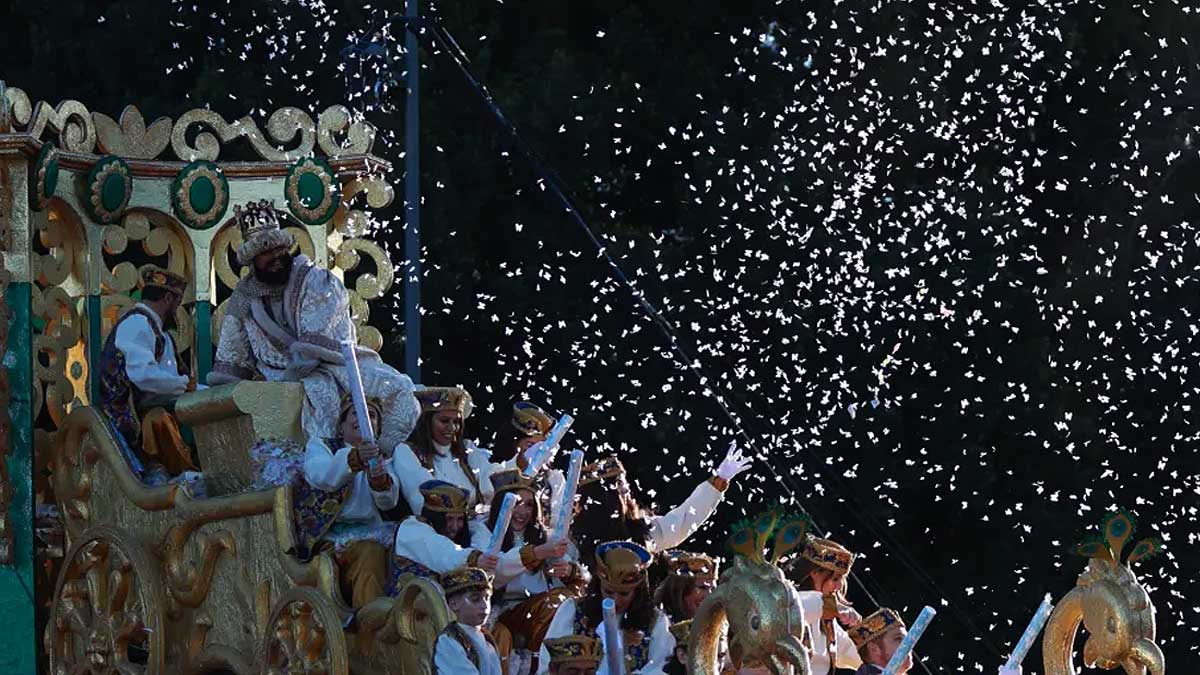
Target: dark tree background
938	260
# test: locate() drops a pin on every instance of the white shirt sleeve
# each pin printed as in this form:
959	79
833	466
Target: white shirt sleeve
561	625
479	460
510	566
422	544
847	653
135	339
323	469
671	530
449	657
391	496
662	647
481	536
407	468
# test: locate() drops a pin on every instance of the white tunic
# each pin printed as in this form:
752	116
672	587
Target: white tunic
449	657
154	378
329	471
420	543
445	467
672	529
662	643
812	604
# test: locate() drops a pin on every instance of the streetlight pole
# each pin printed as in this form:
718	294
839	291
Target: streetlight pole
412	201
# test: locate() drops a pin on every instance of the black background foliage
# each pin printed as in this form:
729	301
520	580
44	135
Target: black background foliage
938	259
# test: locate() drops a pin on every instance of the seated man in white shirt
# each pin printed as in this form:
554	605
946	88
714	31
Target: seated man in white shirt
464	648
140	378
342	503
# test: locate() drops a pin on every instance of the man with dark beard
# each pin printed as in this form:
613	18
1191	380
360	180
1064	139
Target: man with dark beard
140	377
287	322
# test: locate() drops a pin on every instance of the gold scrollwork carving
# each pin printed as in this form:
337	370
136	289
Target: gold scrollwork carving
60	369
336	120
70	121
305	636
337	131
283	126
131	137
188	582
107	614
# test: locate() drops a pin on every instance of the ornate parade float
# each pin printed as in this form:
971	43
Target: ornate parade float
154	577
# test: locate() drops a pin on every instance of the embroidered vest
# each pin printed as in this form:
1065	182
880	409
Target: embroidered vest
118	395
455	632
402	566
636	655
316	510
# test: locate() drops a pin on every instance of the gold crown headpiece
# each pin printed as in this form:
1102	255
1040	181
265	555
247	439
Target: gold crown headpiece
695	565
622	565
572	648
511	480
465	579
681	631
153	276
874	626
531	420
607	467
443	497
374	405
828	554
445	398
261	230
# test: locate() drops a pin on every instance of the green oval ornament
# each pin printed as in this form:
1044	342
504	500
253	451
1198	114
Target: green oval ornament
311	191
109	187
200	195
43	179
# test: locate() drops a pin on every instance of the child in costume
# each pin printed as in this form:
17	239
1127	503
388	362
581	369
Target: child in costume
464	648
620	574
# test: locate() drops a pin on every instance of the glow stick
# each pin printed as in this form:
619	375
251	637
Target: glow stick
566	506
910	640
1030	635
503	518
541	452
614	646
354	382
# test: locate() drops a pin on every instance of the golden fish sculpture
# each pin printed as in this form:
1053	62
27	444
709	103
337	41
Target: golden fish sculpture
1110	603
756	603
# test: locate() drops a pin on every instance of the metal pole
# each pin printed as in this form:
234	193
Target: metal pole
412	203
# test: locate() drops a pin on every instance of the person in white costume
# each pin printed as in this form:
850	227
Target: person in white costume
436	450
464	647
877	638
438	540
604	491
344	485
691	577
620	574
526	601
140	378
287	320
820	577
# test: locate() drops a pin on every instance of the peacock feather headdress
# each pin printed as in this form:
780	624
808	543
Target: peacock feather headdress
750	537
1116	529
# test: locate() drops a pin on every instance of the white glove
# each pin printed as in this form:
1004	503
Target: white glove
1010	671
733	464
